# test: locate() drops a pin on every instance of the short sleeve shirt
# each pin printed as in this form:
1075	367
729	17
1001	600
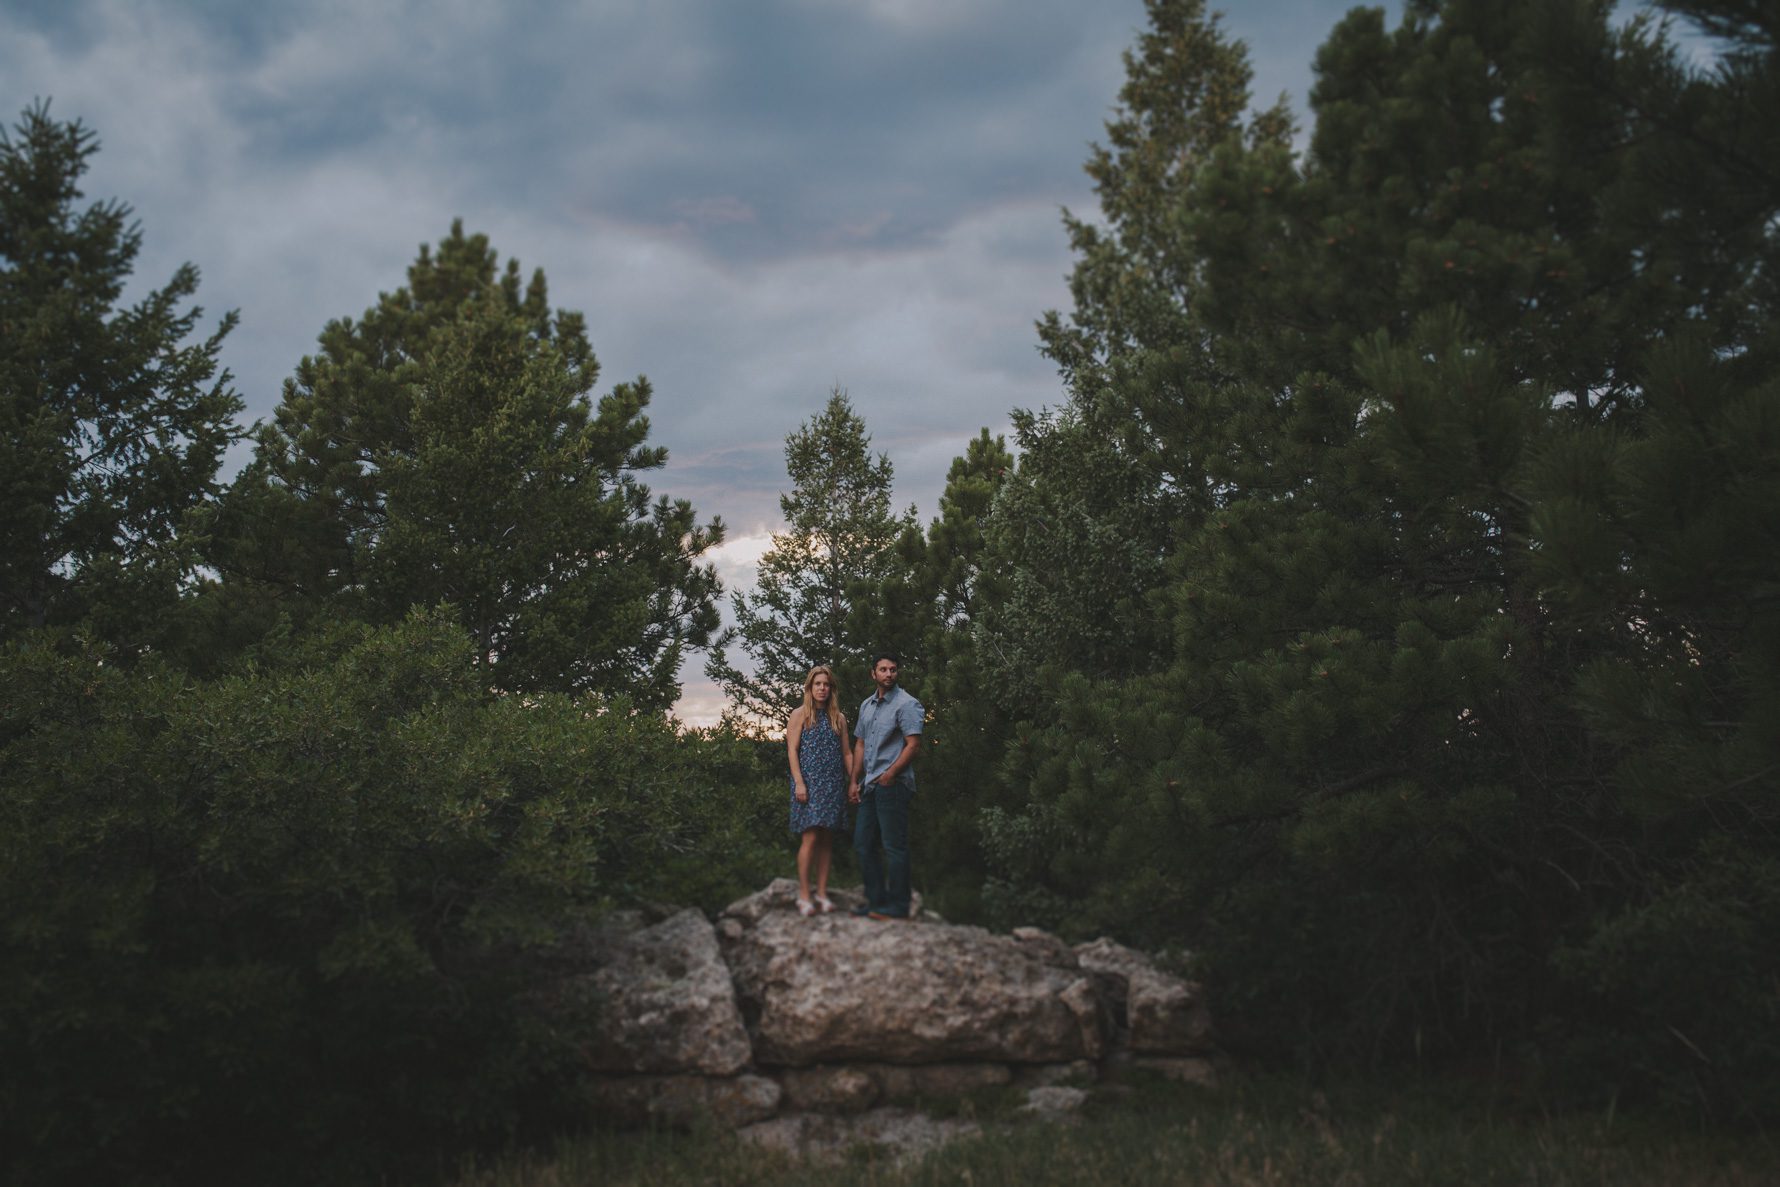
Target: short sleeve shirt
883	723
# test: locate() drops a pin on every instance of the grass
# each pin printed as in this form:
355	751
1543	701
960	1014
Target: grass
1258	1131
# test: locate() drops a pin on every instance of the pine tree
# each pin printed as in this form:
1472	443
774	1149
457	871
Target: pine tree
953	568
835	585
115	424
955	582
1100	501
1423	617
444	449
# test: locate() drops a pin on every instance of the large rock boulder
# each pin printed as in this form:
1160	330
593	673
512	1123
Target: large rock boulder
651	999
835	989
901	1084
785	1025
854	1087
684	1101
1166	1015
842	1089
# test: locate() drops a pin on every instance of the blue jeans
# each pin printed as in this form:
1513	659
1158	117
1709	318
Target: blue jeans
884	819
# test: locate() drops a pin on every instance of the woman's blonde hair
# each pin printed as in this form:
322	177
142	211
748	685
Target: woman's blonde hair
837	720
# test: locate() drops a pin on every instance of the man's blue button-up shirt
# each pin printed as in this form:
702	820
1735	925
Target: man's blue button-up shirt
883	723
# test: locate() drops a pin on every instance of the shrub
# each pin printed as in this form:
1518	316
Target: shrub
272	926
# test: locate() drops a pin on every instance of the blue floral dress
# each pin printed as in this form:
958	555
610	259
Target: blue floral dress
819	756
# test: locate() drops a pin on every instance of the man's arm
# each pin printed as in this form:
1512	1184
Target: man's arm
910	718
856	770
910	744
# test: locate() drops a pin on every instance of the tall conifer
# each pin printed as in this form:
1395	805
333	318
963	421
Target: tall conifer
1463	589
444	449
833	585
114	423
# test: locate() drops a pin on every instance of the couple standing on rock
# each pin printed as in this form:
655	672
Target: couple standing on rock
875	774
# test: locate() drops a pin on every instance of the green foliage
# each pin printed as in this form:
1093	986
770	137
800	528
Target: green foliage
112	425
951	584
1389	611
833	586
444	449
1678	990
1667	536
1078	536
272	927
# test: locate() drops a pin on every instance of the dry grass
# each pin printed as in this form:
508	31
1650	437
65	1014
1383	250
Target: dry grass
1263	1133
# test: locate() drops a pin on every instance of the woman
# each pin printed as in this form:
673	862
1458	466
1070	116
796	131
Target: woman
821	773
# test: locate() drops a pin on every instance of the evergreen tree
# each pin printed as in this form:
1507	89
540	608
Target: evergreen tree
444	449
953	573
835	585
1445	591
115	424
1099	502
954	584
1079	536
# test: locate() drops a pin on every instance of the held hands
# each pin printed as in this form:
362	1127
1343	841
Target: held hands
853	792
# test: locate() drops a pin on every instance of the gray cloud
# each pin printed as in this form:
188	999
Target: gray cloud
751	202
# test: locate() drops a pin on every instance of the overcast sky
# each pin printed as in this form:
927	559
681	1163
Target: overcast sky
752	200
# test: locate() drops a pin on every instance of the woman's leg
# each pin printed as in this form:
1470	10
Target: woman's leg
806	851
824	855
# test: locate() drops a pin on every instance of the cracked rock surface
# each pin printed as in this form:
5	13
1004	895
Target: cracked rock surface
814	1034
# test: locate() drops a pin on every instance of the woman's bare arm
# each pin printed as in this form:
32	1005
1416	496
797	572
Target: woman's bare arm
794	731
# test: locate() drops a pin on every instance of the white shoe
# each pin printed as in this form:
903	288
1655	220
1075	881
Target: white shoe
805	907
824	904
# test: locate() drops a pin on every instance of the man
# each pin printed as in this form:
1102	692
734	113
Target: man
886	736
